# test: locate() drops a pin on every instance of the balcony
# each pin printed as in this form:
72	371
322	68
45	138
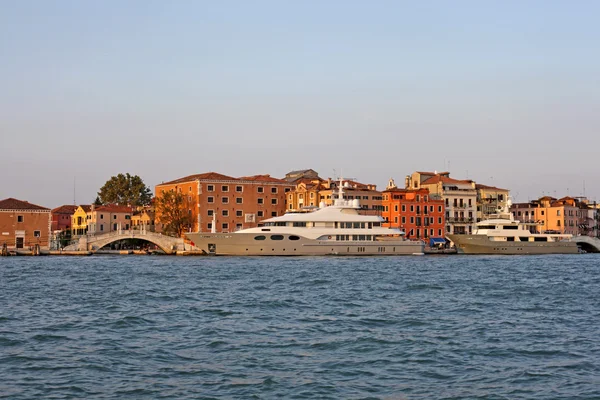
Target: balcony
460	220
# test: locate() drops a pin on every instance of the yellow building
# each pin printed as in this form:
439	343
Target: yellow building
310	192
490	200
143	219
305	194
79	220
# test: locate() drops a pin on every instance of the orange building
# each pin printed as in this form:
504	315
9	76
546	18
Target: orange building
566	215
234	203
414	211
24	225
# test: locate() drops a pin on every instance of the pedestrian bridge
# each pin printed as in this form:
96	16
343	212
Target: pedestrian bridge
588	243
94	242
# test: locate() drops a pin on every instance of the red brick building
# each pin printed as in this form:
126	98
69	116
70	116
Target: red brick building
24	225
414	211
61	217
235	203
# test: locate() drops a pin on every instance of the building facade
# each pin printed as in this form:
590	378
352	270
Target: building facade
414	211
79	221
459	196
230	203
108	218
24	225
566	215
490	200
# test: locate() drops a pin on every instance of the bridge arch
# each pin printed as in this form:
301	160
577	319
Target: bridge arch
99	244
93	243
587	243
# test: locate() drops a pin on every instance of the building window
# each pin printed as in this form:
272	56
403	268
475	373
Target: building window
261	189
440	220
238	200
210	188
114	227
440	209
261	200
211	212
238	213
273	190
37	234
101	228
225	213
412	220
19	218
403	208
558	213
395	220
412	208
418	198
225	188
312	195
225	225
239	189
396	209
274	201
260	213
210	226
225	200
403	220
273	213
238	227
210	199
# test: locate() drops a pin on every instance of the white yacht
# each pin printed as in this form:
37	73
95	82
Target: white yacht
340	229
501	234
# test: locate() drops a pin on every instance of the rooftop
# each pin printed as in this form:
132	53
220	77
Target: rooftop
14	204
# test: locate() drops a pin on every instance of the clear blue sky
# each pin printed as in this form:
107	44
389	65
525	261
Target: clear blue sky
503	92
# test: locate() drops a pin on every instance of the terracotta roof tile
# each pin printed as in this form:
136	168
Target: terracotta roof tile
262	178
66	209
481	186
443	179
115	208
208	176
14	204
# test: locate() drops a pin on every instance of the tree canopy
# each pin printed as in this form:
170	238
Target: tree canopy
172	210
125	190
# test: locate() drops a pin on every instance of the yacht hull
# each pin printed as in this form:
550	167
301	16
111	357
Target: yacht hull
244	244
480	244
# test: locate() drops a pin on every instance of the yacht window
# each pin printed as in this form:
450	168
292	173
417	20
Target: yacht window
510	227
510	239
356	225
294	237
540	239
276	237
486	227
376	223
524	239
299	224
261	237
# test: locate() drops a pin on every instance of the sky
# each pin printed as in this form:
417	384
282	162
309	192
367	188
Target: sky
506	93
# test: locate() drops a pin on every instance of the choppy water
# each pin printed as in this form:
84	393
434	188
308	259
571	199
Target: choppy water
381	327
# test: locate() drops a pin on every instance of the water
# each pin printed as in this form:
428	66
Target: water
380	327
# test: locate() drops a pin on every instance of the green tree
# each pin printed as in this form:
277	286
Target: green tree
125	190
172	211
